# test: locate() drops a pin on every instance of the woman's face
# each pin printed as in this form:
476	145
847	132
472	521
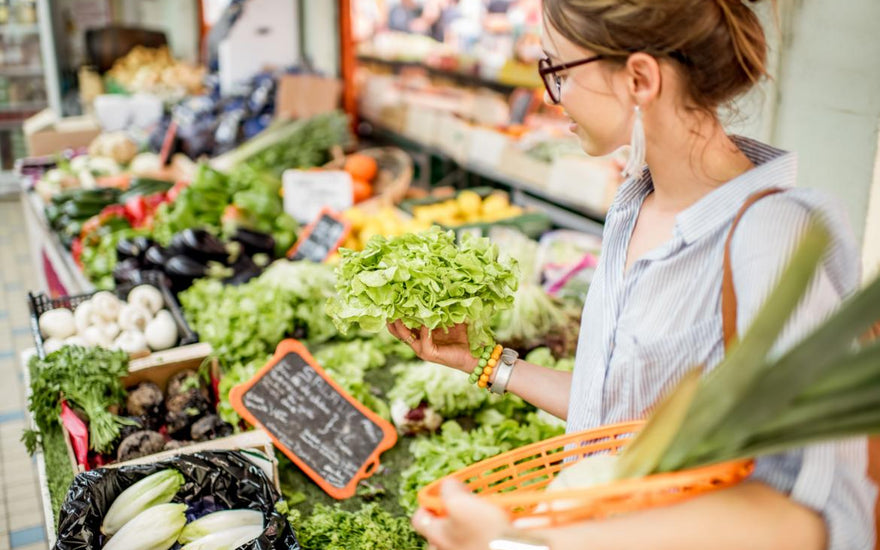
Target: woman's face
593	96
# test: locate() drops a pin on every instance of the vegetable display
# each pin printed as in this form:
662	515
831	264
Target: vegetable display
143	517
424	279
247	321
537	319
136	326
90	380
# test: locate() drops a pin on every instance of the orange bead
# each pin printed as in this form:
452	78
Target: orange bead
484	377
482	384
491	363
488	371
499	349
495	355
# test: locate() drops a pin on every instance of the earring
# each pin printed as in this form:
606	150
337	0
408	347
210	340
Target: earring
636	159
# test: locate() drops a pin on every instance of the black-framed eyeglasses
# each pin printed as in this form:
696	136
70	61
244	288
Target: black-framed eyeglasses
552	81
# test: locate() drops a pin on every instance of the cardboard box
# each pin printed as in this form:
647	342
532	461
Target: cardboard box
303	96
46	134
159	368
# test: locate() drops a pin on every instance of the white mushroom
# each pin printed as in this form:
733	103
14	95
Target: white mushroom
109	330
134	317
84	316
148	297
161	332
96	337
57	323
106	305
132	342
76	341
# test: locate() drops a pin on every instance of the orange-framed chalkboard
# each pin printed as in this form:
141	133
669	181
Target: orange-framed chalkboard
328	434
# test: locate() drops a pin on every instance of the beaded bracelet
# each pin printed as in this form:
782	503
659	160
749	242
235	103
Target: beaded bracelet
485	366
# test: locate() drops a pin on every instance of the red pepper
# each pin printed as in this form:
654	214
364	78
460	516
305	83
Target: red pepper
136	210
95	222
76	249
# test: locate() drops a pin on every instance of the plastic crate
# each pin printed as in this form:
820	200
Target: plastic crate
531	223
41	303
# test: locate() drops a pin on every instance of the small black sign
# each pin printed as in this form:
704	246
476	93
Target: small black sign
321	238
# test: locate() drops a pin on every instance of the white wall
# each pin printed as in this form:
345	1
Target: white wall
321	28
829	98
871	249
178	18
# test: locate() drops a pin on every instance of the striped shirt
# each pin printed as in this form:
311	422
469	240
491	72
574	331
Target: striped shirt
644	329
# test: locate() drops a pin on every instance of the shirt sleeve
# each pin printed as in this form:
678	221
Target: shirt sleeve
829	478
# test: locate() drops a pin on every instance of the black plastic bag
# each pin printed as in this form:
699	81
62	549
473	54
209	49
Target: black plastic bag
215	480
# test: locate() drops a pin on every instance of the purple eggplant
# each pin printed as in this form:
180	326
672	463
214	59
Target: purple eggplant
199	245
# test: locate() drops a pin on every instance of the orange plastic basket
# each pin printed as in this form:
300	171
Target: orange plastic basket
514	481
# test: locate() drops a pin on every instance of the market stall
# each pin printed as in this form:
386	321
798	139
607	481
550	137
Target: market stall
234	278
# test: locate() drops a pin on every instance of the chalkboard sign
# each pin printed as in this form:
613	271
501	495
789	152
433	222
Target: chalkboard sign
321	238
332	437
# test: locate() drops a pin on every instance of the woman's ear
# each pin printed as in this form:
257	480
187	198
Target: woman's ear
643	78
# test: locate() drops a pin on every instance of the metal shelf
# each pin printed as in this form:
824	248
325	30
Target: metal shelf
20	28
563	212
465	79
23	107
21	71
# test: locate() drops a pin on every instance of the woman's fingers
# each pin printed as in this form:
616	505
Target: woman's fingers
432	528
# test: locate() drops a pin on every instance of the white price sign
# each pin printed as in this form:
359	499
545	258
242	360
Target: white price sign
306	193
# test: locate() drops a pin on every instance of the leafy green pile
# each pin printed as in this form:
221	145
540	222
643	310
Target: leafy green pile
90	381
424	279
370	528
537	319
234	374
544	357
446	391
252	195
347	363
301	144
246	322
454	448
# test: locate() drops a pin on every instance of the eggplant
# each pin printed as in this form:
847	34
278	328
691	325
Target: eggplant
244	269
254	242
156	257
127	271
183	270
199	245
133	248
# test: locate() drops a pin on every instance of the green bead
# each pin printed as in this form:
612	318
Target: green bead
478	371
473	378
483	362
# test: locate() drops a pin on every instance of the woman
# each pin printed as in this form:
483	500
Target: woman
654	73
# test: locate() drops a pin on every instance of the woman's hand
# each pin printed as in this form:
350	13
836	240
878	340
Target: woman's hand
471	523
447	347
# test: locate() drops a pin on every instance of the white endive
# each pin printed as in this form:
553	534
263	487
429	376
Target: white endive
156	528
229	539
154	489
220	521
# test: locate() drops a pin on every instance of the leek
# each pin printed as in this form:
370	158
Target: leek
156	528
754	403
154	489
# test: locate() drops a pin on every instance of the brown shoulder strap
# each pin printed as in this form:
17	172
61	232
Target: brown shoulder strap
728	292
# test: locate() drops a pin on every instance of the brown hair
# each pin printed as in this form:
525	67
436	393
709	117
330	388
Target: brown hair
719	44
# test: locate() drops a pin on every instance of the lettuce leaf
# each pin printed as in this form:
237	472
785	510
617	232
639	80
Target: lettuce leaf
424	279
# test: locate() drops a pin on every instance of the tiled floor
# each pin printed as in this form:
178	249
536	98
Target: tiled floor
21	517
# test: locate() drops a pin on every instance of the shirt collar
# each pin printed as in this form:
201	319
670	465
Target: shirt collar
773	168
